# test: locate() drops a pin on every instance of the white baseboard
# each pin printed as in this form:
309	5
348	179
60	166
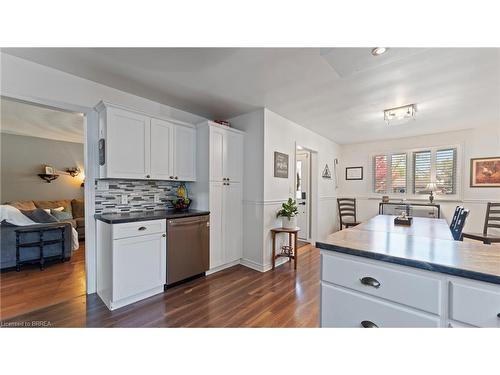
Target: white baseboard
261	267
223	267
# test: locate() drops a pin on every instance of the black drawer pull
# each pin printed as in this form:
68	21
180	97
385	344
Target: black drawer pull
498	315
368	324
370	281
142	228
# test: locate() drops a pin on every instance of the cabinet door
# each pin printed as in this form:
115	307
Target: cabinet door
216	224
184	153
127	149
162	154
216	154
233	157
233	222
139	264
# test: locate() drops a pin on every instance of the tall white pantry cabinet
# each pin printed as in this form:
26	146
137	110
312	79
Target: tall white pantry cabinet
219	189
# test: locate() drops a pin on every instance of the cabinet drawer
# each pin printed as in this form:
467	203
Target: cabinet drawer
475	303
342	308
413	290
138	228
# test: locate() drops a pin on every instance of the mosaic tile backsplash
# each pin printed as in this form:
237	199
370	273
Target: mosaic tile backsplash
140	195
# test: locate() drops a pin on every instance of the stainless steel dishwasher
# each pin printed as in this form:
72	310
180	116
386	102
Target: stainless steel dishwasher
188	242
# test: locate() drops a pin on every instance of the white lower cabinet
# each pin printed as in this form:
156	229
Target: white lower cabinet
360	292
131	261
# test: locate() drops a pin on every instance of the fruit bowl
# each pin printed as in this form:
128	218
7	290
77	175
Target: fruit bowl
181	204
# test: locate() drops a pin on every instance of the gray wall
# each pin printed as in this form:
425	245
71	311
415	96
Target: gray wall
22	158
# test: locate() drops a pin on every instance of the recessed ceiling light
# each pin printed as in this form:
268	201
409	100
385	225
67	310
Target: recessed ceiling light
377	51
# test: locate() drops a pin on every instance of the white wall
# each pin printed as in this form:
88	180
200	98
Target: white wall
267	132
479	142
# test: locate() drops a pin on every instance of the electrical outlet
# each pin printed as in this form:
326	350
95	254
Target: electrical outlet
124	199
157	198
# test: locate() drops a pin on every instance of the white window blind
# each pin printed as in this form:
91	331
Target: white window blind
380	172
398	173
446	170
421	171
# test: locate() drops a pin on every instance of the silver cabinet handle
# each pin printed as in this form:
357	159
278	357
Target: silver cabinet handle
368	324
141	228
176	177
171	177
164	235
370	281
148	176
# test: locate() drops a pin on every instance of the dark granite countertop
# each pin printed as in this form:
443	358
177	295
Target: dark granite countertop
129	217
464	259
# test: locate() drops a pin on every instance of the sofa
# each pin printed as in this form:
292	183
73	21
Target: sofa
73	206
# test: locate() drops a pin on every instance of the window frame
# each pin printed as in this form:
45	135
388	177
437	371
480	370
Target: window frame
410	195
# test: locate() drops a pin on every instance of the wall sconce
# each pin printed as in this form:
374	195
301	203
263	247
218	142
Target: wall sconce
73	172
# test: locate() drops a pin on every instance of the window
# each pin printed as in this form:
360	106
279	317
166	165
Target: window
390	173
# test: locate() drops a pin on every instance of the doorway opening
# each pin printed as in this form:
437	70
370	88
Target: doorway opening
303	192
43	164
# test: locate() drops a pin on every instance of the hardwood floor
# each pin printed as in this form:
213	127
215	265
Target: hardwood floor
32	289
236	297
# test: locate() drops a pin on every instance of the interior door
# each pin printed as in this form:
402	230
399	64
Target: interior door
233	220
216	154
184	153
127	138
233	156
302	193
161	149
216	224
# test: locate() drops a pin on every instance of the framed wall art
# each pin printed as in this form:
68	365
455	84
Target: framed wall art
280	165
353	173
485	172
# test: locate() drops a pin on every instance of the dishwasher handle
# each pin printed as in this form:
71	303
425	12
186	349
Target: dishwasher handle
178	223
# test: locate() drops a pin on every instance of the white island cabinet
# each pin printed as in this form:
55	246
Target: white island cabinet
131	261
138	146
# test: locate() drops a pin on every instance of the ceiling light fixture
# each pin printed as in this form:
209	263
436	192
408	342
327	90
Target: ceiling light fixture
398	114
377	51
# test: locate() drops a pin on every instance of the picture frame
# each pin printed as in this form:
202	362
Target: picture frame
353	173
281	165
485	172
326	172
48	169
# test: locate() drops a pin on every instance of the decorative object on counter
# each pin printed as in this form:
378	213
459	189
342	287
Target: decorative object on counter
181	204
289	251
223	122
385	199
288	214
403	219
47	169
73	172
353	173
431	188
326	172
485	172
48	177
280	165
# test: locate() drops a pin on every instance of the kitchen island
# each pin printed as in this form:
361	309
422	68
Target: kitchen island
381	275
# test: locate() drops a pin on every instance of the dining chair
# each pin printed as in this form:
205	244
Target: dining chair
456	231
455	216
492	220
347	209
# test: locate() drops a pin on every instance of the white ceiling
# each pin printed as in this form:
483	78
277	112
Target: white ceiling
21	118
337	92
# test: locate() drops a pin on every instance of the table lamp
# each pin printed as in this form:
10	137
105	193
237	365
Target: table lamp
431	187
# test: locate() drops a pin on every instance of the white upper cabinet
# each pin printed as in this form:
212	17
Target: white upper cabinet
127	144
184	153
226	155
162	156
137	146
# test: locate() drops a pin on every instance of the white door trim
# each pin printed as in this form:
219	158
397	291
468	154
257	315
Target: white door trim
91	134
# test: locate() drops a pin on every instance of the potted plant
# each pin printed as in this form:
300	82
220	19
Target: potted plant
288	213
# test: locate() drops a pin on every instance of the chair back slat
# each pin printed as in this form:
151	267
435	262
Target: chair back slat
491	218
455	216
459	225
346	208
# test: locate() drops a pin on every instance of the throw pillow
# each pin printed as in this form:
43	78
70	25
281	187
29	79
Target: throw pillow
40	216
61	215
13	216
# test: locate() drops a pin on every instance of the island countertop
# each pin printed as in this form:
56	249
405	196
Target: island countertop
429	252
129	217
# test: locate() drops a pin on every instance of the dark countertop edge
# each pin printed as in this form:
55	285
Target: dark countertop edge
160	215
412	263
